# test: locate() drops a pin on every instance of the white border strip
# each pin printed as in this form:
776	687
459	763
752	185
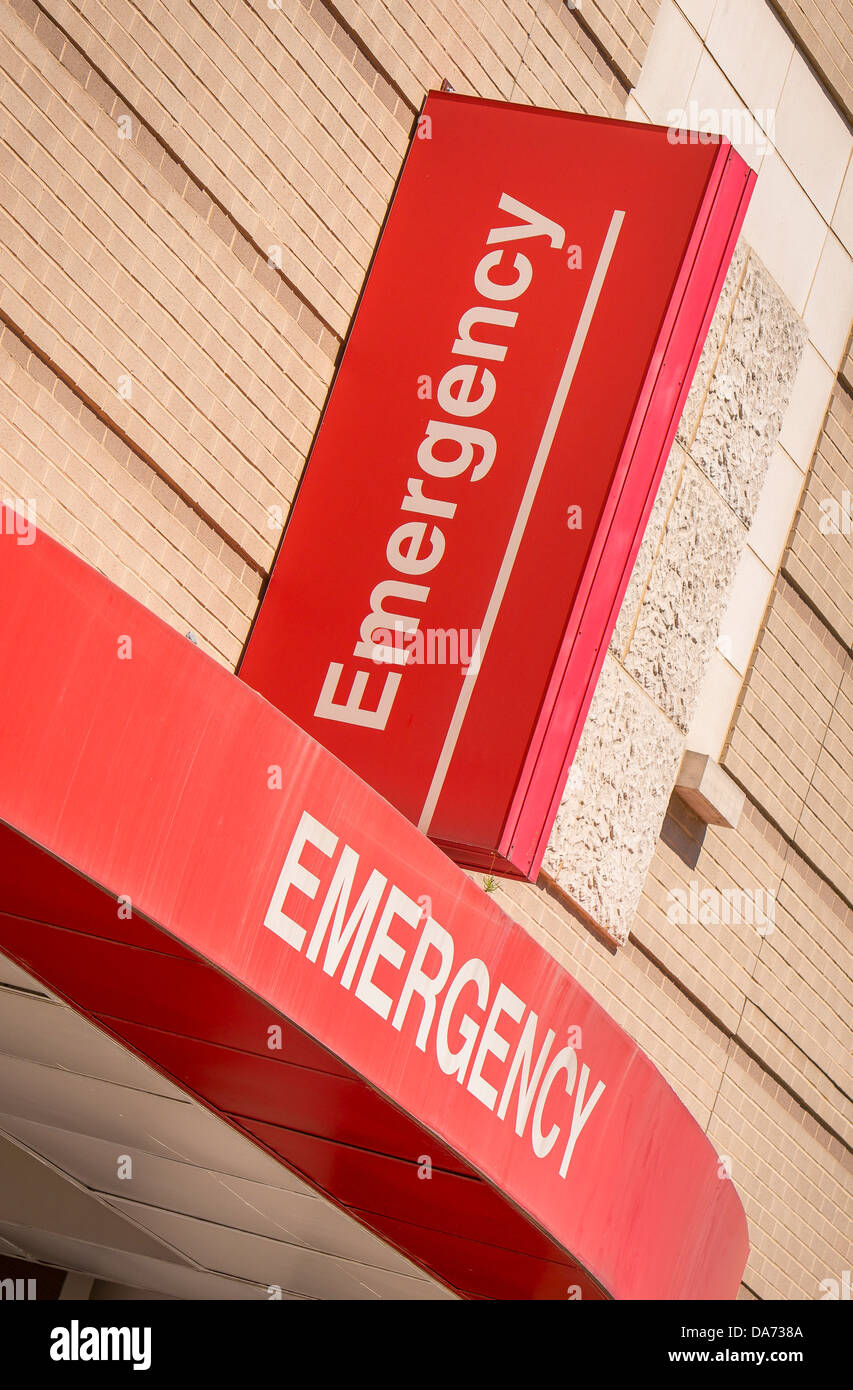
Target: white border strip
521	520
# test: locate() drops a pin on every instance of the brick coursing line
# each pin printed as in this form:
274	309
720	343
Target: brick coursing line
792	1181
74	53
750	1051
357	52
778	1113
182	179
516	50
818	562
738	979
109	271
92	492
764	1104
619	31
794	707
272	115
51	375
798	690
477	46
160	157
823	29
561	67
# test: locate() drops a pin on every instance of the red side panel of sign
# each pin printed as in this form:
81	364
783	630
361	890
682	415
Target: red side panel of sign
409	1029
452	567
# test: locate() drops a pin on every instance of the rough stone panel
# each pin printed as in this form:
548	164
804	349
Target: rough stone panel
820	558
646	555
714	341
685	598
749	390
677	594
607	826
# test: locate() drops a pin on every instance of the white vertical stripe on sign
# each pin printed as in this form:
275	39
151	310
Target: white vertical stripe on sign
554	416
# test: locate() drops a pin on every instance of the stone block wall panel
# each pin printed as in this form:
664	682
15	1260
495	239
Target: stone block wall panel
712	346
650	545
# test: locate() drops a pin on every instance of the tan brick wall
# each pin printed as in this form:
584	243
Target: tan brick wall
820	556
713	958
477	46
623	29
792	1168
825	832
787	703
791	744
255	127
824	30
211	261
814	1091
803	984
538	52
793	1178
115	277
687	1045
274	112
562	66
775	971
93	493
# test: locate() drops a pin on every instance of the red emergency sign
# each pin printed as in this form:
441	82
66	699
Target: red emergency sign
453	566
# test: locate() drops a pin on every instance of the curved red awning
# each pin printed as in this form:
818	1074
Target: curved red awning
201	879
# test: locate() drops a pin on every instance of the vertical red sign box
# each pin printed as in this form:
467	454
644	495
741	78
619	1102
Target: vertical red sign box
454	562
